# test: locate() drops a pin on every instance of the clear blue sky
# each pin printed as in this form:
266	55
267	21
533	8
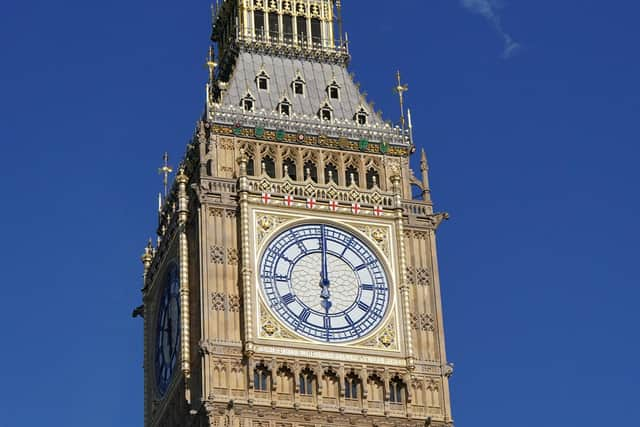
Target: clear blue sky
534	153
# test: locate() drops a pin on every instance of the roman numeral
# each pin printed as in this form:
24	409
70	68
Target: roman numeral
304	316
367	287
288	299
363	306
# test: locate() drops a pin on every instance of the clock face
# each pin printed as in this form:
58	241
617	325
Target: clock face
324	283
168	330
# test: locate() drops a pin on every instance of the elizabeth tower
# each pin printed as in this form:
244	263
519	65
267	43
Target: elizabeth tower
295	280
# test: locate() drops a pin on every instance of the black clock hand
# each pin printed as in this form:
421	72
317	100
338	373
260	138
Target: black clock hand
325	294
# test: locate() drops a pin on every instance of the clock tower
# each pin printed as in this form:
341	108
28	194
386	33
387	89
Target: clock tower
294	282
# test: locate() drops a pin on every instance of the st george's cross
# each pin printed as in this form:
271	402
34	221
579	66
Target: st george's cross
355	208
311	203
266	198
377	210
288	200
333	206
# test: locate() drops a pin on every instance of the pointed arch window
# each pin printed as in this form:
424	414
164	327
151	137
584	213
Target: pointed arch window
352	176
351	386
330	173
261	379
289	169
269	166
396	391
373	178
306	382
310	171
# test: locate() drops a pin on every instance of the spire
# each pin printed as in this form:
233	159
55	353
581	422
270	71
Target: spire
165	171
424	168
400	90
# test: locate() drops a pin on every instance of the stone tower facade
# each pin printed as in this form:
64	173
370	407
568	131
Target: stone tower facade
295	279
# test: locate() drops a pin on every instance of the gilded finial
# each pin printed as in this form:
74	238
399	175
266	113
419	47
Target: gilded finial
400	90
182	178
211	64
165	171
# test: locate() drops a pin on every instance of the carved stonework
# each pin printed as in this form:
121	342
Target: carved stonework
218	301
416	235
422	322
379	235
267	224
271	328
386	339
217	255
418	276
223	302
234	303
232	256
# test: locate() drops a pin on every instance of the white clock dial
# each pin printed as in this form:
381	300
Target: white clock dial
324	283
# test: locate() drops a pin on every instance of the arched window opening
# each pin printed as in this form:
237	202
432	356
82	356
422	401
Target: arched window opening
268	166
373	178
310	171
261	378
376	389
352	177
330	173
289	169
251	169
306	382
351	387
396	391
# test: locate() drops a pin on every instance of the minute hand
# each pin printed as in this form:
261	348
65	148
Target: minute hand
325	294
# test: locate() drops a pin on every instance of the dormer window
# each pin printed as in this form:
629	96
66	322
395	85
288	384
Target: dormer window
262	80
326	112
361	117
284	107
298	85
333	90
248	102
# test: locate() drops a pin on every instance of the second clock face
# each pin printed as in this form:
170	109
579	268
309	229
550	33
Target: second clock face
324	283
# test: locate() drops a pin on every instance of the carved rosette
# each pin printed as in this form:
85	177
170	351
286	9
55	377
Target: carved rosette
271	328
386	339
266	224
378	235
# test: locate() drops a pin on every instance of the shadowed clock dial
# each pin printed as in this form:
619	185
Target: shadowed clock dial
168	331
